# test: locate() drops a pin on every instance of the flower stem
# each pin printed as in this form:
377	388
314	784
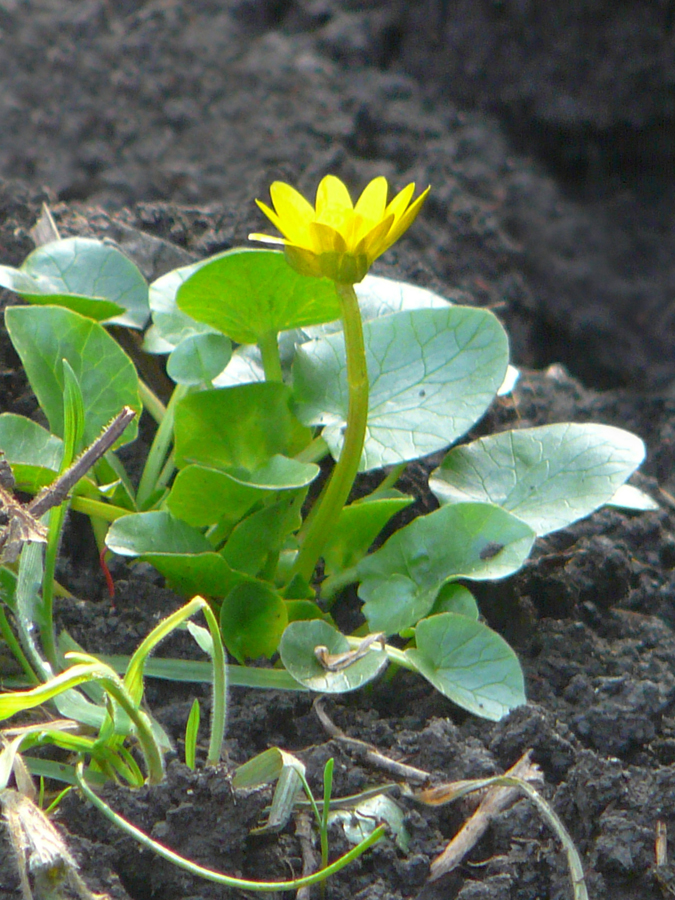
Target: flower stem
269	350
322	519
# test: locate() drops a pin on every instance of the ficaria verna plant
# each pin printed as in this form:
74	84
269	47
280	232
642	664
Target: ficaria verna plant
281	360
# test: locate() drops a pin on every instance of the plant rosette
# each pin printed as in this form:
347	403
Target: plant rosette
280	360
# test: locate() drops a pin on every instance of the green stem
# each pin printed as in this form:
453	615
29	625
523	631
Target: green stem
151	402
159	449
105	511
320	522
269	350
389	481
393	653
314	451
15	648
219	877
47	634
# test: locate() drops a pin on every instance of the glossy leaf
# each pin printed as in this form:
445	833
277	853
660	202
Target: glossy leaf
170	326
401	580
43	291
33	453
241	427
203	496
199	358
470	664
630	497
433	373
154	532
44	337
181	553
246	294
261	534
377	297
548	476
297	654
455	598
356	529
252	619
88	276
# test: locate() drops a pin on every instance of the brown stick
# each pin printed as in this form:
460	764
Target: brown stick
496	800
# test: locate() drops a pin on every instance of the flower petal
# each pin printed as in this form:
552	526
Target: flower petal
400	202
326	239
405	221
266	239
373	200
373	244
293	211
332	192
271	215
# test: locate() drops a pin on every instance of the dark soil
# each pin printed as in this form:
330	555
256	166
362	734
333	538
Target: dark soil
156	124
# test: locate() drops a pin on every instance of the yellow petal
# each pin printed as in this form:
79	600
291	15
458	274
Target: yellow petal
326	239
405	221
266	239
332	192
400	202
373	244
373	200
271	215
294	212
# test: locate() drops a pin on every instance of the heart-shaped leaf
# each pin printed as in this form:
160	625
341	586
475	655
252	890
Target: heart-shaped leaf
469	663
297	654
252	619
199	358
243	426
433	373
247	294
91	277
549	476
477	541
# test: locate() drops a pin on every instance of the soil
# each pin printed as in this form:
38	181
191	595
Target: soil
155	124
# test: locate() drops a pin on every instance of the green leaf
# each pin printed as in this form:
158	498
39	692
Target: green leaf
243	427
433	373
377	297
154	532
181	553
297	610
267	767
548	476
246	294
356	529
297	654
630	497
43	291
170	326
203	496
252	619
88	276
455	598
401	580
261	534
33	453
191	732
189	574
45	336
198	359
469	663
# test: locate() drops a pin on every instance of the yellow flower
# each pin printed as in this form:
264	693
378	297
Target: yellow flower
337	239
